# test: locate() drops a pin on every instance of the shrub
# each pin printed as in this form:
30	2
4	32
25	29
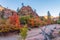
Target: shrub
58	21
24	32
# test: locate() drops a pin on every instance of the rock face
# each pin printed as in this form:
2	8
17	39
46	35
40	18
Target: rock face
24	11
5	12
27	10
1	9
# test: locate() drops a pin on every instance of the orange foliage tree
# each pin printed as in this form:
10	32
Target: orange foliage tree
14	19
31	21
34	22
37	21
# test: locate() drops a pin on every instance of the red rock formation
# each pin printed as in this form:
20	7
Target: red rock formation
27	10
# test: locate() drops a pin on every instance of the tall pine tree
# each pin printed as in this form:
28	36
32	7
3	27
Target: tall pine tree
49	15
18	9
59	16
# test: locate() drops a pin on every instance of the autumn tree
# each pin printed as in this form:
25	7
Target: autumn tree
32	21
14	19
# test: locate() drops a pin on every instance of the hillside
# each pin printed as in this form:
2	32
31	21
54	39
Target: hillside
23	11
27	10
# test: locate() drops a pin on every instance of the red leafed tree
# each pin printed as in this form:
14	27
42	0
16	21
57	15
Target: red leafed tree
31	22
14	19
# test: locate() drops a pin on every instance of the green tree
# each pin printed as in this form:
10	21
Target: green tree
24	19
18	9
59	16
2	16
24	31
58	21
49	15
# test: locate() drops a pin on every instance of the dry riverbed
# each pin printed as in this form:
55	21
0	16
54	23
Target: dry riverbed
34	34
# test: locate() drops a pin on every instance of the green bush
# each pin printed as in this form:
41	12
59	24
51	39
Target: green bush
58	21
24	32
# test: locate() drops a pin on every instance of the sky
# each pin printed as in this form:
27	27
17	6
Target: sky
41	6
